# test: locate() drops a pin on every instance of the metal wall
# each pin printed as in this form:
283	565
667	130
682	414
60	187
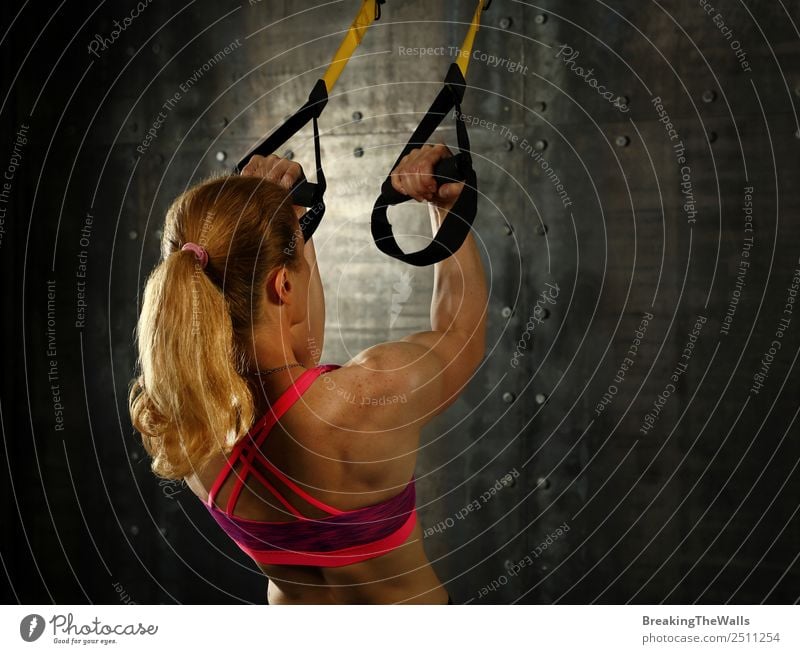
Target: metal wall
616	445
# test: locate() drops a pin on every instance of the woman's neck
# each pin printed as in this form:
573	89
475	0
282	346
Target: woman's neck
267	388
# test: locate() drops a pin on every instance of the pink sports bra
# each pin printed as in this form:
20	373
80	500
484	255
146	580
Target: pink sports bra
340	538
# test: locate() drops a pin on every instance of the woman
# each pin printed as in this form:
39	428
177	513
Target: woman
308	467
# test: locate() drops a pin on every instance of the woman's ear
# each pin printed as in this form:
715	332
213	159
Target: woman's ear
280	286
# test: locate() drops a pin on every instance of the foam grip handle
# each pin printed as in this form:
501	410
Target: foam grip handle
304	192
452	169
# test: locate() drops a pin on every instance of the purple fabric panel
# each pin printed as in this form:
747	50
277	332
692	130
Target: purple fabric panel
336	532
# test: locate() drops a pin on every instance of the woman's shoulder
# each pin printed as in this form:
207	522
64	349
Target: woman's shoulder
378	389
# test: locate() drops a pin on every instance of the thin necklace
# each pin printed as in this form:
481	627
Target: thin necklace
269	371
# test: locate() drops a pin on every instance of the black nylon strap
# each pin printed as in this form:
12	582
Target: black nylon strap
311	219
313	107
456	225
304	193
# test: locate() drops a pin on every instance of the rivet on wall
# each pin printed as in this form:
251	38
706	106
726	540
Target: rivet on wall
508	146
509	229
712	136
134	530
505	22
289	154
506	312
156	47
133	234
358	152
540	106
540	145
541	312
623	101
709	96
357	116
508	397
540	19
158	234
541	229
221	155
543	483
540	398
622	141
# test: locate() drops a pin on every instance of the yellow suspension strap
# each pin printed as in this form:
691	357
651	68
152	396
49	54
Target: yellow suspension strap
305	193
457	223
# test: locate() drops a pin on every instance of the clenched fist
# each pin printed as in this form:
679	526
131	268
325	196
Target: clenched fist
413	176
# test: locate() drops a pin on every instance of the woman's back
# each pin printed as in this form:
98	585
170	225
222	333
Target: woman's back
330	447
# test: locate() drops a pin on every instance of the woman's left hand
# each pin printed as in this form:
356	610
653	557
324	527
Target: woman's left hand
280	171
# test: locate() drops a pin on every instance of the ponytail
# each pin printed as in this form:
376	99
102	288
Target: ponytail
191	400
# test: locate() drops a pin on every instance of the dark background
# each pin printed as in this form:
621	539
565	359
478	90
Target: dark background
702	508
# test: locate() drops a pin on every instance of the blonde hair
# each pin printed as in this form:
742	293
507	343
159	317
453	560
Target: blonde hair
191	400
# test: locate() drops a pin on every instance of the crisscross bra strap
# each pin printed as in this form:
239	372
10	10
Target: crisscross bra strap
248	447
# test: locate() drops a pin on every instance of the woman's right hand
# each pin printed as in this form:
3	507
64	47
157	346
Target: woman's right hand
413	176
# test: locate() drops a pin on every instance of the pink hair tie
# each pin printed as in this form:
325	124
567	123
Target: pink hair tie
199	252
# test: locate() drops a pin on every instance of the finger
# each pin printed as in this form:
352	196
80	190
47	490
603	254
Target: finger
278	170
266	164
449	192
442	151
421	184
406	184
426	168
285	173
293	173
413	184
399	175
397	183
252	165
410	178
430	156
260	166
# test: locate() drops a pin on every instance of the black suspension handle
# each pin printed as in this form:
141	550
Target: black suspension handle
457	223
304	193
452	169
